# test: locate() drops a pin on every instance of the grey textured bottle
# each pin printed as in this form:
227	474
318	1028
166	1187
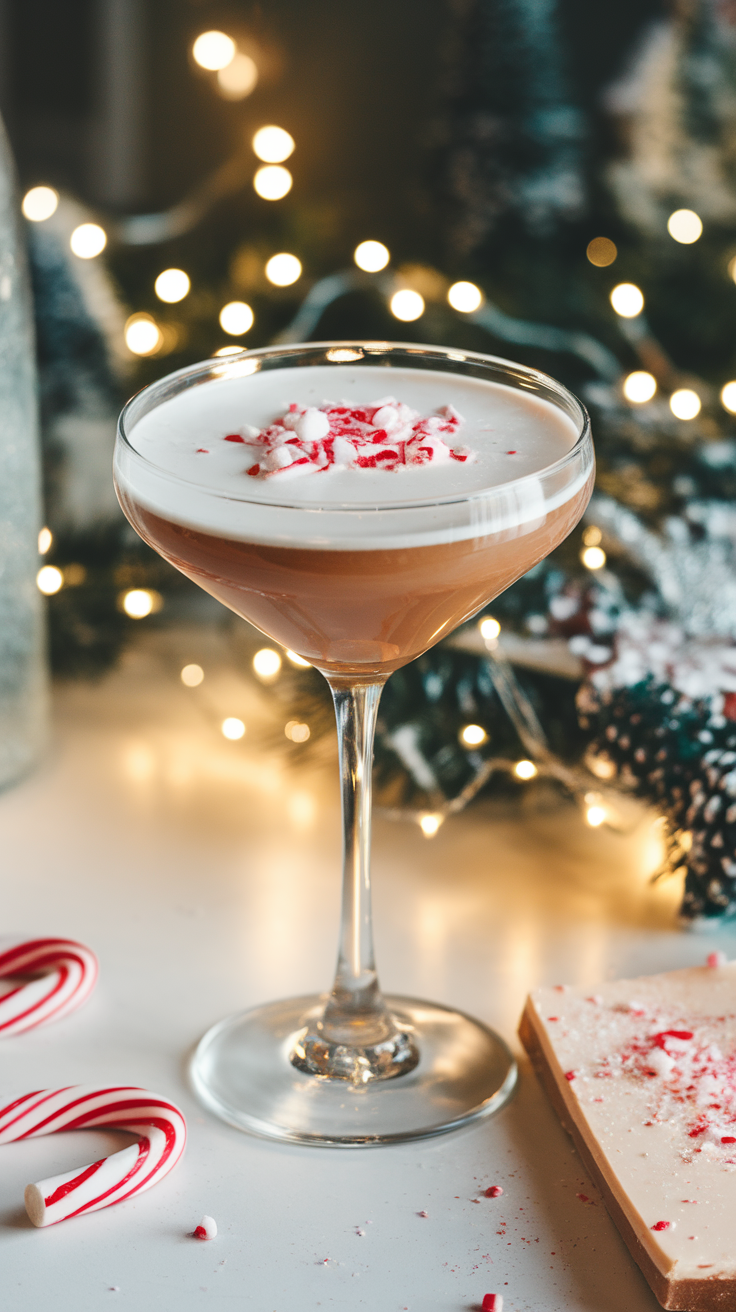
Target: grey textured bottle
23	680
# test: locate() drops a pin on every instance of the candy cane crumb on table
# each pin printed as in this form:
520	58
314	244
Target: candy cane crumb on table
207	1229
492	1303
159	1124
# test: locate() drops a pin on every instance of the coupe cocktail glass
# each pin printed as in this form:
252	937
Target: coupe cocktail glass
358	589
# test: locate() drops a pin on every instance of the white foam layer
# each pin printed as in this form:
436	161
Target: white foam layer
515	437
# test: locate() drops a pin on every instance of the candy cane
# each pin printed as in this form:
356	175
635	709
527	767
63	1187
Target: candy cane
68	974
159	1123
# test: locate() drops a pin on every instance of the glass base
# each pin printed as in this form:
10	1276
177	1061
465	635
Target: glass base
243	1071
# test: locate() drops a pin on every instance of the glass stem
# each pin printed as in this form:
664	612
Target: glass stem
356	1012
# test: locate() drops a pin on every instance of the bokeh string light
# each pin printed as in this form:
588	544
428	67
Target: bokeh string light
236	318
489	628
296	731
45	539
87	241
238	78
685	403
213	51
473	735
172	285
685	226
49	580
142	334
627	300
593	557
640	386
267	664
728	397
283	269
371	256
40	203
465	297
192	675
272	182
138	603
601	251
233	728
273	145
407	305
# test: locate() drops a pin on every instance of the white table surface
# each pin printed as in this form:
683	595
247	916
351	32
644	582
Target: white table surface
204	874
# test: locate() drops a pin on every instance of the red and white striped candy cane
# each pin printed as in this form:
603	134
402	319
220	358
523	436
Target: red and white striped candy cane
159	1123
67	975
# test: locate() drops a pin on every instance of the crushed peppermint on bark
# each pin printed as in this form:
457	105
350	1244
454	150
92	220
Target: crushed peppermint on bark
495	1191
492	1303
689	1074
384	434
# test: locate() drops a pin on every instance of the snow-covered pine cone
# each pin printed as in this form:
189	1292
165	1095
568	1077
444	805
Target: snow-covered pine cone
678	756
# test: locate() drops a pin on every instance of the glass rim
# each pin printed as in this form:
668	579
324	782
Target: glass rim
216	367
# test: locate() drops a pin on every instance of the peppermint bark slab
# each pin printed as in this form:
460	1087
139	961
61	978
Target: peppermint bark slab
642	1074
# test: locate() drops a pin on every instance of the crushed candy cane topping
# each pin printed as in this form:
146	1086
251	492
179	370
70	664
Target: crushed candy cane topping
384	434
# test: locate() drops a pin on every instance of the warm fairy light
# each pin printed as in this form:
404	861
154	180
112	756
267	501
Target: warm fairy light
40	203
213	51
273	145
267	663
525	770
601	251
45	538
298	660
465	296
602	767
296	731
236	318
228	350
283	269
592	536
272	182
473	735
593	557
172	285
640	386
238	78
371	256
140	602
595	815
627	300
192	675
685	226
49	580
728	397
430	823
489	628
88	240
232	728
685	403
407	305
143	335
